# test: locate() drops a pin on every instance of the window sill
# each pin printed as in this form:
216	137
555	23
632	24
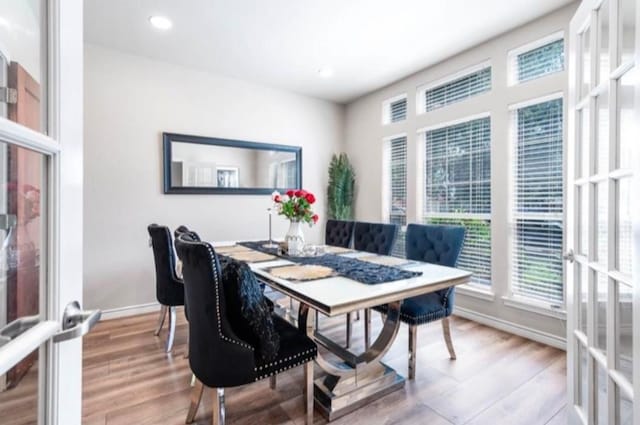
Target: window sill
476	292
539	307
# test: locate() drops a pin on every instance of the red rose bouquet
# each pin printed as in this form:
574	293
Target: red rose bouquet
296	205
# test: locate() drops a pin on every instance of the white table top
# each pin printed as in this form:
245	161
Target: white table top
338	295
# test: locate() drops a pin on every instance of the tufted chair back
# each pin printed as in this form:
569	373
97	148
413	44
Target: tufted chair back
169	288
436	244
339	233
377	238
184	229
217	356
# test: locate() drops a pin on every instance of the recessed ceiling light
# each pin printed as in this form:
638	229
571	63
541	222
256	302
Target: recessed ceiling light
325	72
160	22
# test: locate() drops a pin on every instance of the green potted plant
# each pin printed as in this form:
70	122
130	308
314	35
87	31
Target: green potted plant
340	192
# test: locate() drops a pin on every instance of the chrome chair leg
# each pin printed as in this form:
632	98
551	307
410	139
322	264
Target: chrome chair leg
193	380
163	314
196	397
186	350
272	382
308	392
348	344
317	320
367	328
218	406
446	330
413	339
172	328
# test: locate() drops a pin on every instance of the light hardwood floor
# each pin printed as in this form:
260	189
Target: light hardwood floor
498	378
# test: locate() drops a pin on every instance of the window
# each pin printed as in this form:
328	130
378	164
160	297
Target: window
537	59
469	83
396	166
394	109
537	223
457	188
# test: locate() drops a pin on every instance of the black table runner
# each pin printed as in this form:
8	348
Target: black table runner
352	268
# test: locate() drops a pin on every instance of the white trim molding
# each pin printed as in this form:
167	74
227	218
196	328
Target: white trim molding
534	306
513	328
131	310
476	291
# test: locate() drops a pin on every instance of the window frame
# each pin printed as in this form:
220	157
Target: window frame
386	109
512	57
387	186
479	290
421	91
513	299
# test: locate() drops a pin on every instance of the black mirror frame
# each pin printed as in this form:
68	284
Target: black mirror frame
167	138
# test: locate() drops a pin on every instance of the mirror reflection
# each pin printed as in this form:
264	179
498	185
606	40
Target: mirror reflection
210	165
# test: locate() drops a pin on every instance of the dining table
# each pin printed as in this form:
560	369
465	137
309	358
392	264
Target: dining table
351	379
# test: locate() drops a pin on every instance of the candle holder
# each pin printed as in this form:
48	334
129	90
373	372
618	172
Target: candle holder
271	244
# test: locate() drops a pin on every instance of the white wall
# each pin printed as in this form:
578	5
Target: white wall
364	135
129	102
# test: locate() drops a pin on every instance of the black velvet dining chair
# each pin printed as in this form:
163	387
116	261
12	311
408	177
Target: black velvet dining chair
339	233
169	287
436	244
376	238
234	338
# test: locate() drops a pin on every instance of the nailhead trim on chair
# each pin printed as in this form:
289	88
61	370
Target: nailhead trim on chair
283	360
275	372
215	277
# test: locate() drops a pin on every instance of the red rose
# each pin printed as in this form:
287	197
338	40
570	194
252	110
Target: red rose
298	194
290	193
315	218
277	199
310	198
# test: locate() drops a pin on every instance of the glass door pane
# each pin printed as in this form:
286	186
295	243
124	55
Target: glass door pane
603	42
23	45
22	273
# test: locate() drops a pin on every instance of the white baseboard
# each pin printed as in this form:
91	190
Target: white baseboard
514	328
131	310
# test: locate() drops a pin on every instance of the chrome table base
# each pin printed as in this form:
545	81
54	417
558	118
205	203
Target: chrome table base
359	378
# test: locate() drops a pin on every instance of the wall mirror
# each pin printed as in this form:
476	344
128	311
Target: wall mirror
201	165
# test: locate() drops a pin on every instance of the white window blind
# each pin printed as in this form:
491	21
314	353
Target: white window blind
394	109
458	188
397	196
539	61
398	110
537	265
459	89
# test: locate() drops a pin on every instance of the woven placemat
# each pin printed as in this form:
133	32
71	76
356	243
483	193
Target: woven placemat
337	250
385	260
230	248
250	256
302	273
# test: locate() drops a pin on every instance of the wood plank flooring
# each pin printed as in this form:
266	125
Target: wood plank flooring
498	378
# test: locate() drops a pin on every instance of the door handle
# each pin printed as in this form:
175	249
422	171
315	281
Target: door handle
570	256
76	322
16	328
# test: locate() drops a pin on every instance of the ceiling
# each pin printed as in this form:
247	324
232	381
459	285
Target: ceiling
367	44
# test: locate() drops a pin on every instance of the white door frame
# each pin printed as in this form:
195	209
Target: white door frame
616	383
62	394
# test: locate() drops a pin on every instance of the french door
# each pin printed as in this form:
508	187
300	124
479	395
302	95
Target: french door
603	240
41	212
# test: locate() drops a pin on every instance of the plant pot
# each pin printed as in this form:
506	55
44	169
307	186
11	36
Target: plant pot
294	239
